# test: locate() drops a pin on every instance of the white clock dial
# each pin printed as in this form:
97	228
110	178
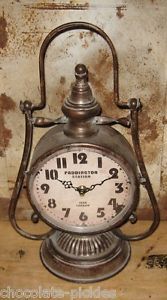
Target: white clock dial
81	190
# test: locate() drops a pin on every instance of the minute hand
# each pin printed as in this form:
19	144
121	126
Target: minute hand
93	185
83	189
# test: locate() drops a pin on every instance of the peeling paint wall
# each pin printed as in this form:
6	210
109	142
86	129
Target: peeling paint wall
137	29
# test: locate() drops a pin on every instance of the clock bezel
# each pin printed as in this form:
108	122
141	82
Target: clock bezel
129	170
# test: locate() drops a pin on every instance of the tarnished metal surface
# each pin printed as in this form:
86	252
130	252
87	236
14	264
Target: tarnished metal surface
137	30
85	268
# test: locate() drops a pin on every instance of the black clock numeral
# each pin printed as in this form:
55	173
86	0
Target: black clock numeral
119	188
117	207
113	203
99	160
114	173
45	188
67	211
80	158
75	158
51	203
61	162
100	212
83	216
51	174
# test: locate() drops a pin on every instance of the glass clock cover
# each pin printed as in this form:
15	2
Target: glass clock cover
81	190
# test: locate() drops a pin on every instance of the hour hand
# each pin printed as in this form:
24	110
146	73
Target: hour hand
67	184
80	189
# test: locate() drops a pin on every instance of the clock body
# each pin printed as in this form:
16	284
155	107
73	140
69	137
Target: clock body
83	185
83	179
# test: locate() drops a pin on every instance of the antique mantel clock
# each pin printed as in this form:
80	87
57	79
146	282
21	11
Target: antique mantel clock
84	178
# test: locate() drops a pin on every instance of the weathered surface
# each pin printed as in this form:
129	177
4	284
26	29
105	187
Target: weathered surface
137	29
3	32
6	105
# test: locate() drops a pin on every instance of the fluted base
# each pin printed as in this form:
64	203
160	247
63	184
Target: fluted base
88	258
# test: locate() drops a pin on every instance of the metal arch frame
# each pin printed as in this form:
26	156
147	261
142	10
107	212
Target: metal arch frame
74	26
135	106
28	108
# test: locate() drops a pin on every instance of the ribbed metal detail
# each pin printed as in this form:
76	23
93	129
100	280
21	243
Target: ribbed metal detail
85	245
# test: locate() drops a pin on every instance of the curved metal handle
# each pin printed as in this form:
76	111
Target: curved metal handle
26	108
73	26
135	106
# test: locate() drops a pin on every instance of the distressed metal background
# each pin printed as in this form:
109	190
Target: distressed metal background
137	29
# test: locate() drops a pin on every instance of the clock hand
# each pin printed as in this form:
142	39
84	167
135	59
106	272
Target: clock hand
94	185
81	189
68	184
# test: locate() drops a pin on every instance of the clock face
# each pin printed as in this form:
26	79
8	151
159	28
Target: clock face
82	190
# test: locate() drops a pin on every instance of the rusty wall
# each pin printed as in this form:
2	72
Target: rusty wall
137	29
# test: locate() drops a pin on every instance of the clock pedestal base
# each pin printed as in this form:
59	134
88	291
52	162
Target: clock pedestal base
84	258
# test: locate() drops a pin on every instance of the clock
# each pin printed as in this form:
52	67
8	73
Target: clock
84	178
82	188
83	183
